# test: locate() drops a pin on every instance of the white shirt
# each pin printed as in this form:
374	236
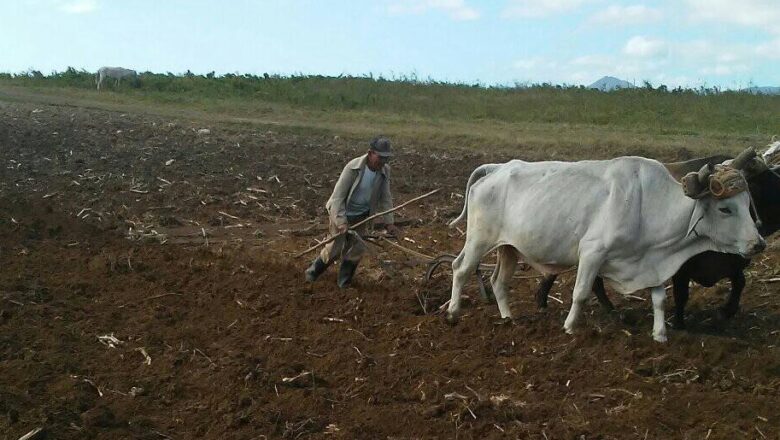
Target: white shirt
360	202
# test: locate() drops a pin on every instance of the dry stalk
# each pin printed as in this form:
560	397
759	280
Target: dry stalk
360	333
147	358
454	395
294	378
109	340
97	388
479	398
32	434
422	304
198	350
162	295
329	319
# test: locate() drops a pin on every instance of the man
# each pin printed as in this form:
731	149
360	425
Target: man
363	189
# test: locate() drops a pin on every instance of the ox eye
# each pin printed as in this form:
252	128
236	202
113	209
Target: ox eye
725	210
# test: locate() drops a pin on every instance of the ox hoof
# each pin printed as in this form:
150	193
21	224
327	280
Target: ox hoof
569	325
723	314
503	321
660	338
452	318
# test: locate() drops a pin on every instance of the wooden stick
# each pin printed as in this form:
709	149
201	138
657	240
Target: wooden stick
324	242
34	434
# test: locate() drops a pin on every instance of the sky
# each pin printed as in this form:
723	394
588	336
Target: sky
690	43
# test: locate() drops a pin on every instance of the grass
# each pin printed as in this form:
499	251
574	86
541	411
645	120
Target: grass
533	122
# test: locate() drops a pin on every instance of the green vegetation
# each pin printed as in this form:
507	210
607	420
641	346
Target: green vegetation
539	116
684	111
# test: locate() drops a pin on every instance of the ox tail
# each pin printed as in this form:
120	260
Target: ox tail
480	172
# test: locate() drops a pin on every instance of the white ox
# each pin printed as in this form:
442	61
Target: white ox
115	73
626	220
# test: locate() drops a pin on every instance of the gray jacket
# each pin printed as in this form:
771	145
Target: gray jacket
381	199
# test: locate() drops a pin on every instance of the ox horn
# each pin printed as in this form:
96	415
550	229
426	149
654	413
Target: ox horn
743	159
695	184
704	174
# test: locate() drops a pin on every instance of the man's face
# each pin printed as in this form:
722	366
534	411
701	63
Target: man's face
375	161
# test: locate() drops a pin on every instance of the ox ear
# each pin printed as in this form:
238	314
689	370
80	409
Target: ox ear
699	211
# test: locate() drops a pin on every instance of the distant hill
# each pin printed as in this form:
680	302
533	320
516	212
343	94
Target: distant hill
764	90
609	83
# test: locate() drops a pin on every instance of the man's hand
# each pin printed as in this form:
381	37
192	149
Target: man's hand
393	230
342	228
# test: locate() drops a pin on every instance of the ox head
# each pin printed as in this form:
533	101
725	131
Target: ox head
765	189
722	210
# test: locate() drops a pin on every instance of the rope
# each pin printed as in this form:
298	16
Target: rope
408	251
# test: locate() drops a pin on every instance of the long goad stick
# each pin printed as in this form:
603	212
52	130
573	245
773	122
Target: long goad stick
322	243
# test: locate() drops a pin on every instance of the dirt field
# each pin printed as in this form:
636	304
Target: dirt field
179	244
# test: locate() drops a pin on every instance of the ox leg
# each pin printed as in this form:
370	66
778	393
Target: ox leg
586	274
507	262
485	292
732	304
601	294
659	324
681	291
464	265
544	291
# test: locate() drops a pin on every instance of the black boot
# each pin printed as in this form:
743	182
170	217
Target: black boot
315	270
346	271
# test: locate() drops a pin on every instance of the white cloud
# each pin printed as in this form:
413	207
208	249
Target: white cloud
770	49
617	15
716	59
585	69
725	69
79	6
704	51
527	64
764	14
592	61
687	63
697	50
456	9
643	47
536	63
539	8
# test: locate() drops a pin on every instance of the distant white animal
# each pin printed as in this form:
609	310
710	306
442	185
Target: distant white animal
115	73
626	220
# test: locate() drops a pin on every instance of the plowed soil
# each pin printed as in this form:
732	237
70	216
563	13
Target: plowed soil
148	290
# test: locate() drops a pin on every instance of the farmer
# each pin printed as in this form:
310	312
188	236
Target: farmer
362	190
